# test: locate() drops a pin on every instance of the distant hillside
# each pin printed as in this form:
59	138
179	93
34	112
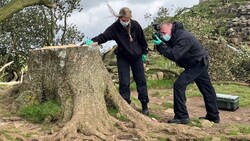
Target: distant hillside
224	29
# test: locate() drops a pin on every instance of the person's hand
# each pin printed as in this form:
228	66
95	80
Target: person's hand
144	57
157	41
88	42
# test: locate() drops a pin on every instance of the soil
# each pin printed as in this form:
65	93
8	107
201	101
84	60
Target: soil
16	128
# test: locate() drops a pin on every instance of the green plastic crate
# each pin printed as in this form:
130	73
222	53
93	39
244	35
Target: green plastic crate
227	102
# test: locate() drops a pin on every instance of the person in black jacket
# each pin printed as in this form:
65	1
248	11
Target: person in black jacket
131	52
180	46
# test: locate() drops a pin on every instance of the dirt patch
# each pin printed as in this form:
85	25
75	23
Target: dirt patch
196	109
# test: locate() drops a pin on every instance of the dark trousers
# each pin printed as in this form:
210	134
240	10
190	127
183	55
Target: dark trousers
138	75
198	74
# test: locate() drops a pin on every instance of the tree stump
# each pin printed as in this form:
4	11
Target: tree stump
77	78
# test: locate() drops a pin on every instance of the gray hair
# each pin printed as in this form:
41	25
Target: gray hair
165	23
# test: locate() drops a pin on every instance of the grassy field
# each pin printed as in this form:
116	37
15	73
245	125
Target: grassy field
243	91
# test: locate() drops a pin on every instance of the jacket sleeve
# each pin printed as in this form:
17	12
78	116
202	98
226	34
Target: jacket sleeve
177	51
107	35
142	41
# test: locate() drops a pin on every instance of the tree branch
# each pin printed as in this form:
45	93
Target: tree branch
16	5
164	70
6	65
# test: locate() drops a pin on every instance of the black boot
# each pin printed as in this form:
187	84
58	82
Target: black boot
179	121
128	101
145	109
215	120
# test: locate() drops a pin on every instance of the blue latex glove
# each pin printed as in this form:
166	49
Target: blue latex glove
88	42
157	41
144	57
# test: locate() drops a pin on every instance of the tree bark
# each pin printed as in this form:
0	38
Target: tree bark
77	77
17	5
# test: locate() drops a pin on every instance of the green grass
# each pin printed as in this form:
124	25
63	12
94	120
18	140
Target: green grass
168	105
233	133
155	84
239	129
159	61
122	118
192	90
154	116
6	134
113	111
38	113
163	139
230	89
235	89
160	94
135	101
244	129
195	122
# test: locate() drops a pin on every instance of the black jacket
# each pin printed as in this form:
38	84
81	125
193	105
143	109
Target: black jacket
130	50
183	47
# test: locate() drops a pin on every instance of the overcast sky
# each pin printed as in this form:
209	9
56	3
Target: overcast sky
96	17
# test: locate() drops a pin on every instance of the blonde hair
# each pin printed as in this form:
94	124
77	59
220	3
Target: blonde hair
125	12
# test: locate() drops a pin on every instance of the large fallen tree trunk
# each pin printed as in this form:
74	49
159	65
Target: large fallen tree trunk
77	77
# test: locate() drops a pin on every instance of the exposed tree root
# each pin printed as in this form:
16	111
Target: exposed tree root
2	138
18	137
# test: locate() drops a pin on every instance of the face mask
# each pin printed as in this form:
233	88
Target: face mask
166	37
124	23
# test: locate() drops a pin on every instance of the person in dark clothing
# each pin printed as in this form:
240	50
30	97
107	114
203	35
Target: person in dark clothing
182	47
131	52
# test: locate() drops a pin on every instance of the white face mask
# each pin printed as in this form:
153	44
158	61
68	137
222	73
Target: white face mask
124	23
166	37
